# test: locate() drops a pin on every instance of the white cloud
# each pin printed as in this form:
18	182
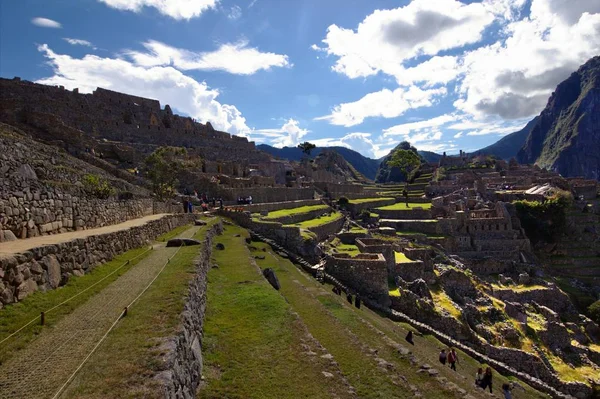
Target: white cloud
78	42
234	13
384	40
407	128
46	23
289	134
165	83
458	135
252	3
514	77
385	103
236	58
177	9
357	141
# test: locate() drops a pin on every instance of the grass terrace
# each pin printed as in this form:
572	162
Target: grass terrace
443	301
350	249
401	258
400	206
294	211
319	221
367	200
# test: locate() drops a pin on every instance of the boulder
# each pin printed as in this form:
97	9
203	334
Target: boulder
271	278
220	246
555	336
182	242
420	288
7	235
199	222
524	278
53	268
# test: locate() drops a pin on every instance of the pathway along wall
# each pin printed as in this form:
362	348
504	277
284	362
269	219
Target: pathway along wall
50	266
184	359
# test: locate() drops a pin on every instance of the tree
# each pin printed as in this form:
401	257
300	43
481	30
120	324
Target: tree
307	147
405	160
163	166
594	311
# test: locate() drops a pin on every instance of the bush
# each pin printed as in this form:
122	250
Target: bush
343	202
98	186
594	311
545	221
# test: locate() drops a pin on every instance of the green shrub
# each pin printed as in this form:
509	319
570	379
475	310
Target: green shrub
594	311
98	186
545	221
343	202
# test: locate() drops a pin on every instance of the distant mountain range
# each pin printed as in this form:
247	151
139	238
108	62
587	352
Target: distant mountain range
565	137
366	166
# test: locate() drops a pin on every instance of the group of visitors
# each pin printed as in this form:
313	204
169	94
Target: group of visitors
244	200
483	379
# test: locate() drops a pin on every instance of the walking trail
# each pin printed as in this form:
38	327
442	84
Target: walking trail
39	370
14	247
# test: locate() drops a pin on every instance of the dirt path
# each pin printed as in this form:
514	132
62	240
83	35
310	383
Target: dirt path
39	370
14	247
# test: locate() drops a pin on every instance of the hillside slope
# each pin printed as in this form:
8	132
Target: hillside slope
508	146
366	166
566	136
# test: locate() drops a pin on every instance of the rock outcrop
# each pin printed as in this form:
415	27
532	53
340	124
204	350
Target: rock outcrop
566	136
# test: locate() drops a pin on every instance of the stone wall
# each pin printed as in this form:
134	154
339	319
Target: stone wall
366	274
418	226
30	214
267	194
325	230
415	213
183	369
376	246
51	266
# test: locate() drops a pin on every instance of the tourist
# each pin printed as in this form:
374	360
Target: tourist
506	391
453	359
479	376
349	298
409	338
486	381
405	194
250	199
190	207
357	301
443	357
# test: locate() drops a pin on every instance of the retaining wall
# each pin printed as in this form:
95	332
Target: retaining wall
325	230
50	266
275	206
406	214
300	217
184	359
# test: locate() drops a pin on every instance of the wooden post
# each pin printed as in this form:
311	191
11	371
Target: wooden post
43	318
125	312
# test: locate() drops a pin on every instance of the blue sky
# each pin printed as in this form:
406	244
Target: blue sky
443	74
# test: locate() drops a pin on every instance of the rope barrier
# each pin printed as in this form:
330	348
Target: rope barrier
121	315
74	296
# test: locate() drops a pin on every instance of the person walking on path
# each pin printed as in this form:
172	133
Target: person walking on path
487	379
409	338
506	391
453	359
405	194
479	376
443	357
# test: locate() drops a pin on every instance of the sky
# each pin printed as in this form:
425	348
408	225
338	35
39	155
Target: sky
444	75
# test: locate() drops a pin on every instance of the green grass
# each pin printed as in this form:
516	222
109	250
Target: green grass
294	211
126	363
401	258
349	334
367	200
318	221
401	206
16	315
348	249
252	340
355	229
